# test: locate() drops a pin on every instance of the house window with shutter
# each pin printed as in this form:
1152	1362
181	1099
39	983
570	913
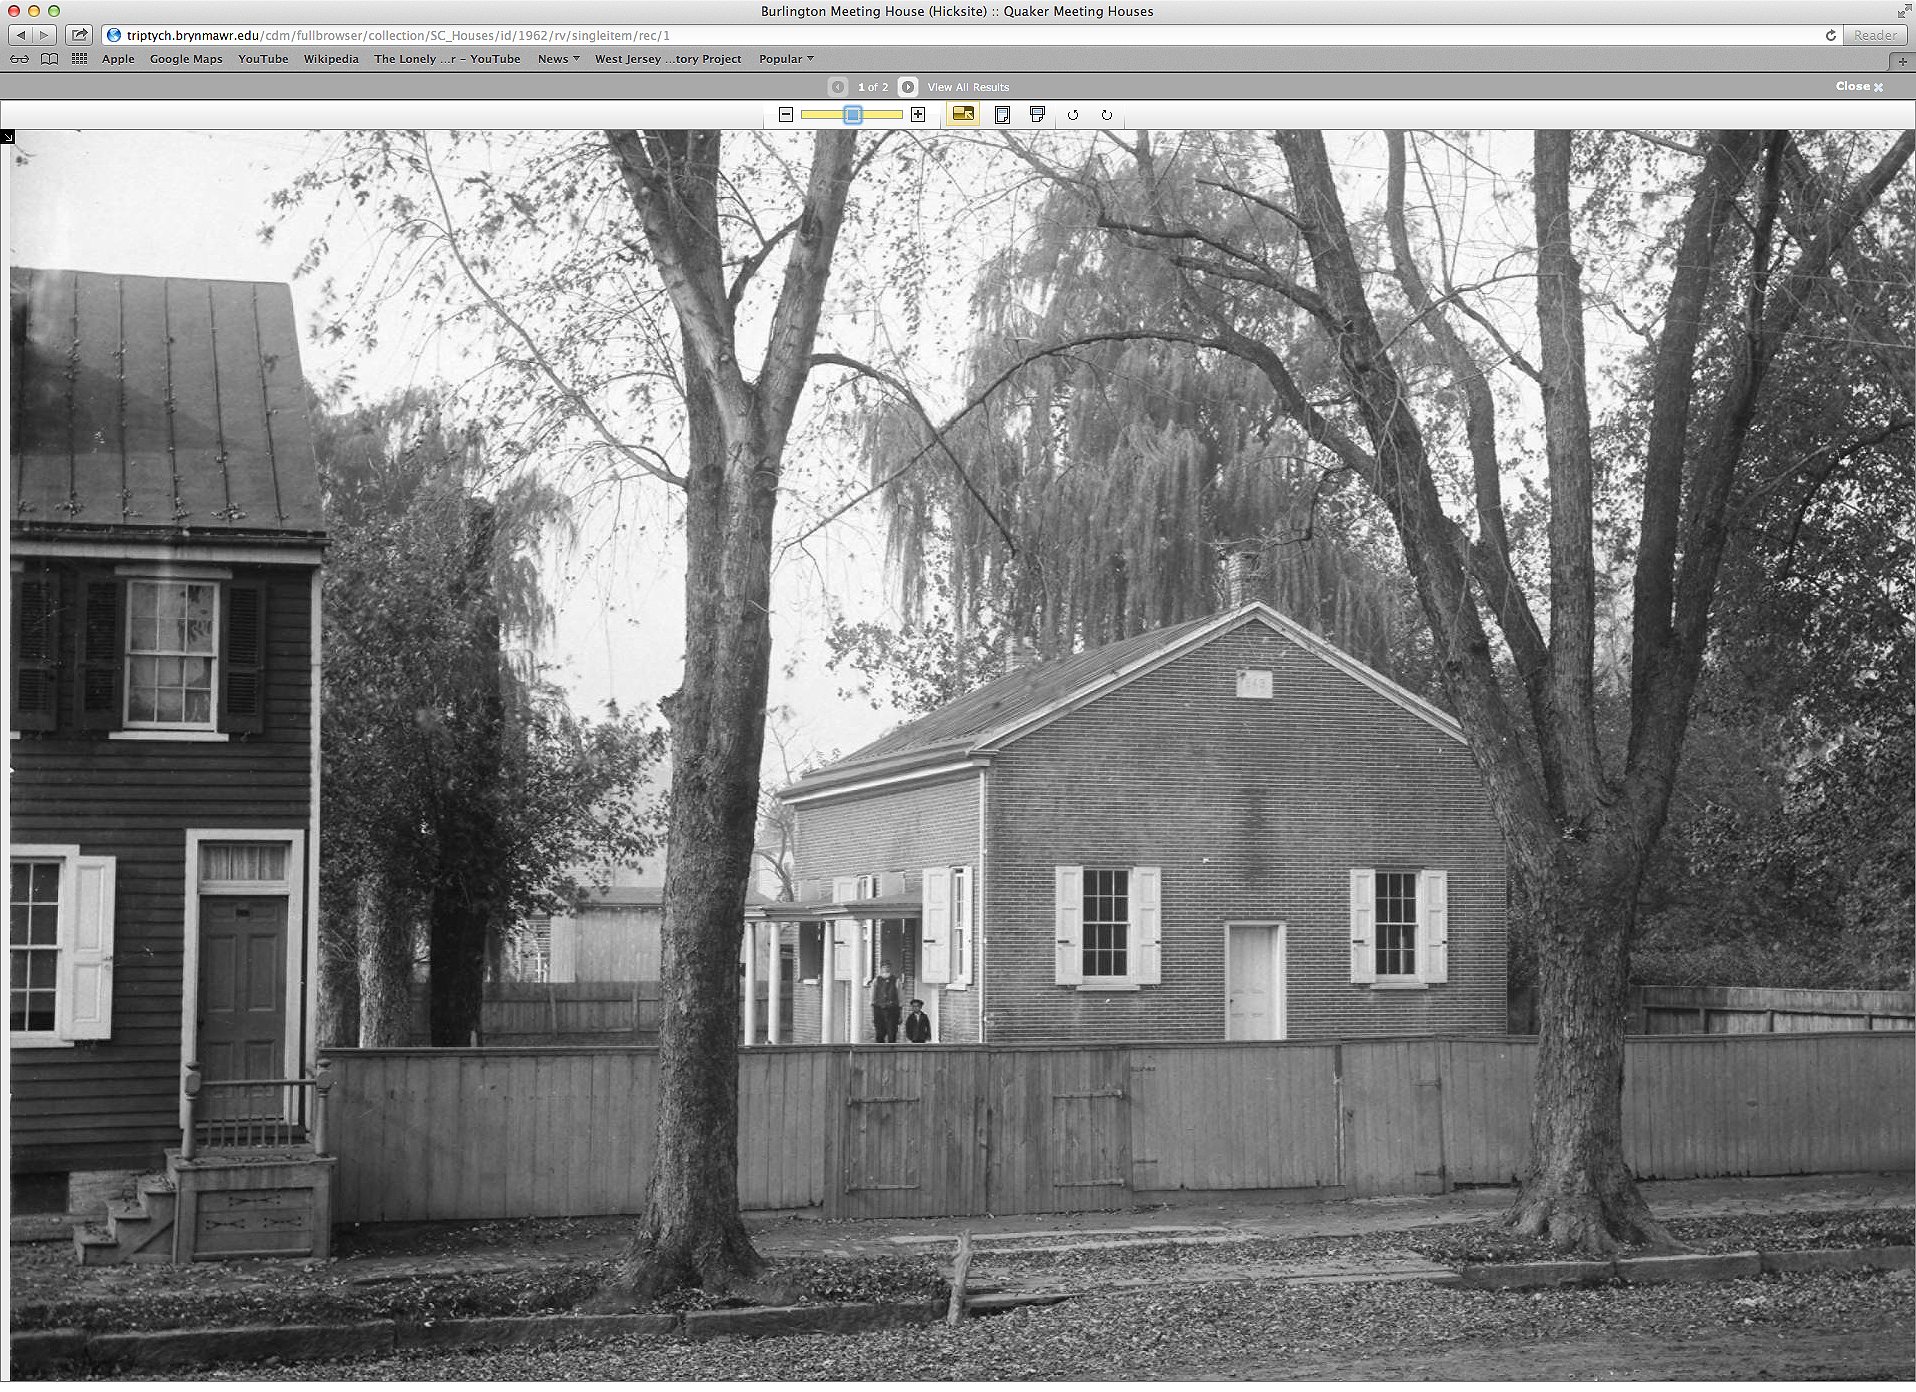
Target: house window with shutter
945	927
59	946
172	654
1400	927
36	650
163	655
1108	926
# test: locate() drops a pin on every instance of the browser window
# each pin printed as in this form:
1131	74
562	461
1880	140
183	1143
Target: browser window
413	399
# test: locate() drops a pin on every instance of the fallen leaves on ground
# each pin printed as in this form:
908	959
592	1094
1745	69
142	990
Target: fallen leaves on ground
1188	1332
50	1291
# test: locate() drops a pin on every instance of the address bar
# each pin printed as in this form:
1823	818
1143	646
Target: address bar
985	32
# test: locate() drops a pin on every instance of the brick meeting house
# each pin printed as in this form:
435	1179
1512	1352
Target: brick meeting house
1226	829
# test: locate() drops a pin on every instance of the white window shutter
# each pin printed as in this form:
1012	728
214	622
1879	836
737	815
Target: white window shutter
1070	923
844	889
1433	916
934	923
1363	934
1147	922
87	962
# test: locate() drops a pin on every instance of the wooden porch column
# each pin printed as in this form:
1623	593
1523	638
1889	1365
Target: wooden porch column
829	955
862	991
751	982
773	970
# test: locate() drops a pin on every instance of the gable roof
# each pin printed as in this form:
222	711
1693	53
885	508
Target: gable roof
1002	711
158	405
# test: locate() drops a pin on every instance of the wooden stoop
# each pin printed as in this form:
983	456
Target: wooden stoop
137	1231
221	1205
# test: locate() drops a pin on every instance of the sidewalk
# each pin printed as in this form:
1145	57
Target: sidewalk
797	1235
1025	1260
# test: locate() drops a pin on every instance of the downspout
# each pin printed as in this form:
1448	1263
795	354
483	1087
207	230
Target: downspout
310	929
978	911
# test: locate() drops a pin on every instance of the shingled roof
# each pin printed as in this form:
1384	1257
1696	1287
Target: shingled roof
1000	711
158	405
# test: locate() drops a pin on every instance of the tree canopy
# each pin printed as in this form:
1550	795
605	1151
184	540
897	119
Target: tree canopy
459	788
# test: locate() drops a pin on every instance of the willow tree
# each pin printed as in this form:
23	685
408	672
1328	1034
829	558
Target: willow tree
1118	479
1749	250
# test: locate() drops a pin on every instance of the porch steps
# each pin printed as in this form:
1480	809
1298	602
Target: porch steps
139	1231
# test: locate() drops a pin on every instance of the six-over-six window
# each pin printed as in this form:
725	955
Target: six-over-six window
1107	921
59	946
33	938
1400	927
172	647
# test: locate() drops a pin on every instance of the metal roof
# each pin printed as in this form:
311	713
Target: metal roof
996	713
159	405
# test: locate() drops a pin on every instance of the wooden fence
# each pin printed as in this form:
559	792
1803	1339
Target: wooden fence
1767	1010
883	1131
517	1014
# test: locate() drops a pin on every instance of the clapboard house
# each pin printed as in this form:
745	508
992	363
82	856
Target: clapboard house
1226	829
164	576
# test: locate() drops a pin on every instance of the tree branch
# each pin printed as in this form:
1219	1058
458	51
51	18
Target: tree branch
657	469
1498	579
1569	729
1259	272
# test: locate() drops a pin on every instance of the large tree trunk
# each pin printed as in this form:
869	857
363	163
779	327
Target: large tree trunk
338	967
455	964
466	890
691	1232
1578	1191
385	966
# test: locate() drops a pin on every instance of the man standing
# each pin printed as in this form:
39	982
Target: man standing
917	1025
884	1006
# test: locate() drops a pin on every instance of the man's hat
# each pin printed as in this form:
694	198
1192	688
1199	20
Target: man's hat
916	1001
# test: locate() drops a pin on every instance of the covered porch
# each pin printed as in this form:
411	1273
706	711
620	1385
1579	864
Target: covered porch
841	932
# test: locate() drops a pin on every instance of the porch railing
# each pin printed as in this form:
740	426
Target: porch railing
254	1113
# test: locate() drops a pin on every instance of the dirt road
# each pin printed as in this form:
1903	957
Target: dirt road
1878	1354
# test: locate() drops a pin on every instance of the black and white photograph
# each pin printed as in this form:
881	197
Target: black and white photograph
875	755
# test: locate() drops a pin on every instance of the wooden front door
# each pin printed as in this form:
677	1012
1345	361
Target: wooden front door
242	997
1254	982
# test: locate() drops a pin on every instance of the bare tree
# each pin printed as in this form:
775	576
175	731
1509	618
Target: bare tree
691	1232
1579	827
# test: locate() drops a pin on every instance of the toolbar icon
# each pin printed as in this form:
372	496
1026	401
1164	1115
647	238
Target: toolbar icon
963	114
838	86
1037	115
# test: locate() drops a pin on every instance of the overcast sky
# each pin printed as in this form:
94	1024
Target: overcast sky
191	203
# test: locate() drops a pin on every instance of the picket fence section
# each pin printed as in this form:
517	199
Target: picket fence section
880	1131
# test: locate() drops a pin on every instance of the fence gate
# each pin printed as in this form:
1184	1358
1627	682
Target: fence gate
1060	1131
912	1135
1393	1123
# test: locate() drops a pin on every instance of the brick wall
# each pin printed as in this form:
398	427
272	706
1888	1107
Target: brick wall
882	832
1254	810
